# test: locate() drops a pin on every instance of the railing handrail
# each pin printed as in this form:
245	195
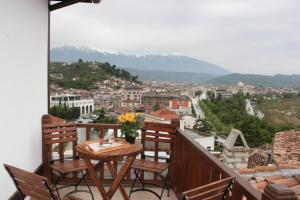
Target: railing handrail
97	125
247	187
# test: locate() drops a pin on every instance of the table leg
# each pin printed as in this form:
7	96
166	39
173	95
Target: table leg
114	174
120	175
95	179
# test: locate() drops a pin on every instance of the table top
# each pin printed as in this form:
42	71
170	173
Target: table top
128	150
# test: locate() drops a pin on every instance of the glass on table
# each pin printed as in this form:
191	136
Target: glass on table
111	137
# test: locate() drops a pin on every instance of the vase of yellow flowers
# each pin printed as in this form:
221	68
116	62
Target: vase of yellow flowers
130	124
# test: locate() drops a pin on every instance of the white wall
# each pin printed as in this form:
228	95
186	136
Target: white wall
207	142
23	85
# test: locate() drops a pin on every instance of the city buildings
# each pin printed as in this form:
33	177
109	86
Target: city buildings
223	93
226	91
181	107
132	97
86	105
163	100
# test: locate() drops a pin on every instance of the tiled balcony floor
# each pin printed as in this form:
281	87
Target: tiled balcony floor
141	195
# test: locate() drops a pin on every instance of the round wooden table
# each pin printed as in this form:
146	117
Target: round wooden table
130	152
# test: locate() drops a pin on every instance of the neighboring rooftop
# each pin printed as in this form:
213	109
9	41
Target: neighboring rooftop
285	175
287	148
166	114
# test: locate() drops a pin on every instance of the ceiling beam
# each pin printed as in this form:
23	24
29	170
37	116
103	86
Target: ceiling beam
64	3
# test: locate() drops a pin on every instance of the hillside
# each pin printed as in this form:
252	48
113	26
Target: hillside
174	63
231	113
278	80
283	113
179	77
83	75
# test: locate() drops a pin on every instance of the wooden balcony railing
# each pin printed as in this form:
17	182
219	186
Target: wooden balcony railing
100	128
194	166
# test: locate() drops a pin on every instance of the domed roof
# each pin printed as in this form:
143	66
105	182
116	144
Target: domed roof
240	84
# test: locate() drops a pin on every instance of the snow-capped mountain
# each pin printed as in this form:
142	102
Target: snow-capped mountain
175	63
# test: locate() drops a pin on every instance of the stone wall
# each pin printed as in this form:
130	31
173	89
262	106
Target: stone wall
236	157
287	147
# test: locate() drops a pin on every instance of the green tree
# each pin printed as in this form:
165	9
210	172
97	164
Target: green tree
100	113
83	75
254	131
259	99
224	114
203	126
198	92
193	111
156	107
210	95
65	112
102	118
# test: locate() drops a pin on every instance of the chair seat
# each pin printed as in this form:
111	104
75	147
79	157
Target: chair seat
151	166
69	166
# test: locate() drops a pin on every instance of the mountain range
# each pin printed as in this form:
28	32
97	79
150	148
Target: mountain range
174	68
175	63
278	80
180	77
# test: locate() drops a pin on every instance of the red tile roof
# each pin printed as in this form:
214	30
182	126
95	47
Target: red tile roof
261	176
287	147
166	114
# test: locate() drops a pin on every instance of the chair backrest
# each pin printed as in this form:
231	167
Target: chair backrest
217	190
60	133
158	137
29	184
57	132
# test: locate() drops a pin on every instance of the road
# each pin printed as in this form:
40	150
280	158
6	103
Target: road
199	111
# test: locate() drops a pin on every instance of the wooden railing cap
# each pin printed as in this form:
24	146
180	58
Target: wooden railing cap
278	192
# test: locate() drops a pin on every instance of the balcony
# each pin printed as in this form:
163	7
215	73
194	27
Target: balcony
192	166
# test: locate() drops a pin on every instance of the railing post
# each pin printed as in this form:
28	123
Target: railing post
175	122
88	133
237	192
278	192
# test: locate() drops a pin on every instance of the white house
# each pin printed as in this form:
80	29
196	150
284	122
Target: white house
207	142
223	93
86	105
189	121
24	39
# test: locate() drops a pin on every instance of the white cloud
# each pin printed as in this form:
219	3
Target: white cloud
257	36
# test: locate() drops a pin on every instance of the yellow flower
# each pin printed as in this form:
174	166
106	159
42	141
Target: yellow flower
122	119
128	117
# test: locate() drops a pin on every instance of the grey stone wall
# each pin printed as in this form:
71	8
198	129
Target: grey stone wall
235	158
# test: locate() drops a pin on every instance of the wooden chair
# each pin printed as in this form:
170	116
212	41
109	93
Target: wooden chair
32	185
217	190
156	138
62	134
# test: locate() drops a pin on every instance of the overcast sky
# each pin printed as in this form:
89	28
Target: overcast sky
245	36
